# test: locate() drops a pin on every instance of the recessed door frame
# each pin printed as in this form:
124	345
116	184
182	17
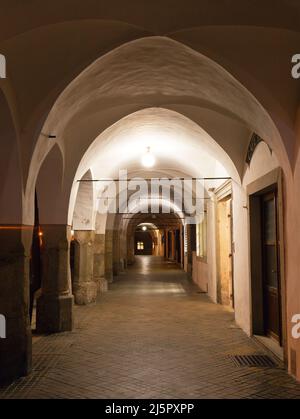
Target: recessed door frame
224	195
269	183
272	289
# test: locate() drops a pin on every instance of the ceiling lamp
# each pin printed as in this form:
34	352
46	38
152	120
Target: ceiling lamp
148	159
144	228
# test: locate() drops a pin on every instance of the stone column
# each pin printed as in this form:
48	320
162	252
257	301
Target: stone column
130	250
167	244
99	263
123	252
15	349
55	306
109	256
182	246
85	288
116	252
191	242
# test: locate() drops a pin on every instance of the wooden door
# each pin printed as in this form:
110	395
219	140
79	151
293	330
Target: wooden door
271	268
224	253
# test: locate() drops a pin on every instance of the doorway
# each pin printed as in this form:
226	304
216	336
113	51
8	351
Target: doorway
74	246
178	246
170	245
225	291
271	267
267	285
143	243
35	265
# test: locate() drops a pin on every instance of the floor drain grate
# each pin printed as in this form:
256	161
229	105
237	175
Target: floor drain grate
258	361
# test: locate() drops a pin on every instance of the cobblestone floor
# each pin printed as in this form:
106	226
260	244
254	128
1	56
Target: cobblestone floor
152	336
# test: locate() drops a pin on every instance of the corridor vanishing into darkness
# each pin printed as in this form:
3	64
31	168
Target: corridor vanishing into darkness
152	336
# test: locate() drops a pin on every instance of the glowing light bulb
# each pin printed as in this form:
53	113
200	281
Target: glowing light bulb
148	159
144	228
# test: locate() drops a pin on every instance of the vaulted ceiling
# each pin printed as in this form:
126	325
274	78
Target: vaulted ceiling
76	69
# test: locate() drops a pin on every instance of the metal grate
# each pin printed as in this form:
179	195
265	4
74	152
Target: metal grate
253	361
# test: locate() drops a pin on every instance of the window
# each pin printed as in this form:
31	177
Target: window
202	238
140	246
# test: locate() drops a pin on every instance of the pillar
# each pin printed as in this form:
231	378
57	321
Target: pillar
109	256
15	349
166	244
123	251
191	247
116	252
130	249
173	245
55	306
99	263
85	288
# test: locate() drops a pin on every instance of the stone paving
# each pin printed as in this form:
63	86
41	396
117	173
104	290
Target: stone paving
152	336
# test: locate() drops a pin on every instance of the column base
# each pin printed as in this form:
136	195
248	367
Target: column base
116	267
15	333
54	314
102	285
15	352
122	266
109	278
86	293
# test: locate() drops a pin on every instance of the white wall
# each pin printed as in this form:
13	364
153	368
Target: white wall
241	257
205	274
263	162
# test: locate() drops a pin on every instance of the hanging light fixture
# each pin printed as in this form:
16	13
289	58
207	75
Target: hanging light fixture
148	159
144	228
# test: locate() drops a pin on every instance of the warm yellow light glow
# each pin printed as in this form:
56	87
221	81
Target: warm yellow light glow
144	228
148	159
